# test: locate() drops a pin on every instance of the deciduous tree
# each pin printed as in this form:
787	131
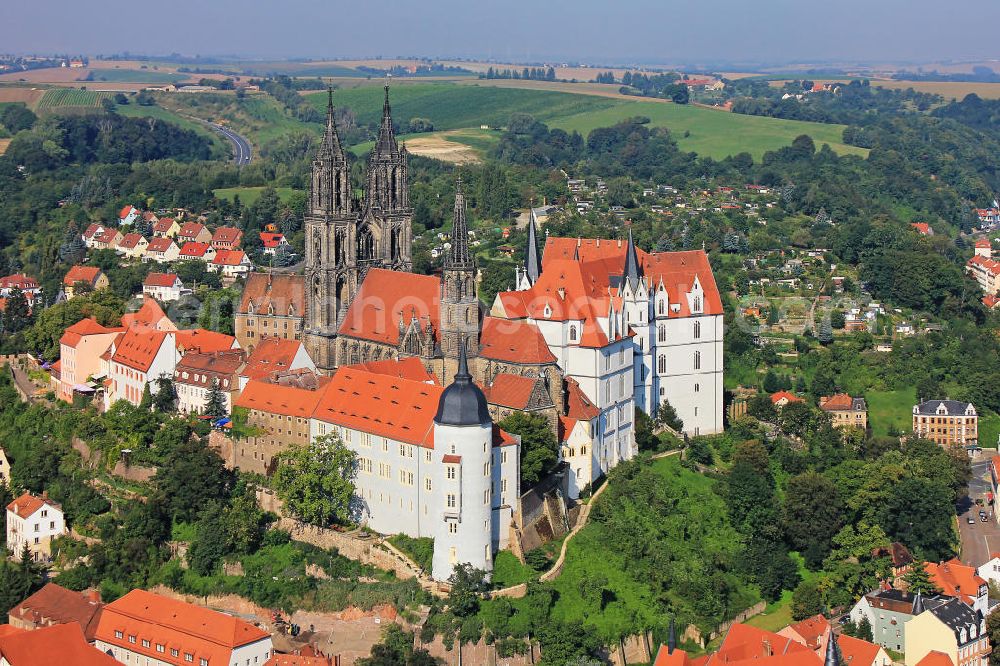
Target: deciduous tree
316	481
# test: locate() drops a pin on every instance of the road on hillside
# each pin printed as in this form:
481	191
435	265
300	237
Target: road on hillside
979	539
242	151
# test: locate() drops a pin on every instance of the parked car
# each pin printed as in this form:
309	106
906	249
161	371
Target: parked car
972	521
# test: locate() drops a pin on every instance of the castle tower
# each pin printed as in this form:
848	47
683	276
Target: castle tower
384	234
463	443
330	225
460	302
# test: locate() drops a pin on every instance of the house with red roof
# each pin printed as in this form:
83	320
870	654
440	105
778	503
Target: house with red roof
166	227
271	240
782	398
56	644
983	268
54	604
203	340
80	350
227	238
132	245
150	316
143	627
936	658
922	228
272	305
956	579
33	522
28	285
138	358
275	355
193	232
197	251
128	215
197	372
164	287
815	633
91	278
232	264
745	645
162	250
102	237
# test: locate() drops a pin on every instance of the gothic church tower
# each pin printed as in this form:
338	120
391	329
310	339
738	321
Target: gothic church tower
460	303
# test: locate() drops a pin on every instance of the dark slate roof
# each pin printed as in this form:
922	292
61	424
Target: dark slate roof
954	407
633	271
902	602
532	264
463	403
958	615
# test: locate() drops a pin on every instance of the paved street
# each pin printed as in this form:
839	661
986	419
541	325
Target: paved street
242	152
980	539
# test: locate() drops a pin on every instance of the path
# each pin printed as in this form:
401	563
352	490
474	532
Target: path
242	150
978	539
581	522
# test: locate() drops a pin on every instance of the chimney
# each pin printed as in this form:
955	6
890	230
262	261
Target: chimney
45	494
93	595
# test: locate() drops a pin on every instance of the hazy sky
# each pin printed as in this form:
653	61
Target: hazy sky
662	31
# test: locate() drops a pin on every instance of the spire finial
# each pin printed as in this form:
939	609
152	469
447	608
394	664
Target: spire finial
462	376
632	271
459	257
532	266
832	655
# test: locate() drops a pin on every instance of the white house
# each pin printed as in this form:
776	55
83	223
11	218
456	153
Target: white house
194	250
146	628
162	250
132	245
196	373
33	521
164	287
231	263
128	215
140	357
271	241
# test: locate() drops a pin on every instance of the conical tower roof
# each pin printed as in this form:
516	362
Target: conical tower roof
632	272
832	654
330	147
386	145
463	403
532	263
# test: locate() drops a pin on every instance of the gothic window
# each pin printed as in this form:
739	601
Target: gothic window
572	333
661	364
366	244
697	330
468	316
317	247
661	333
697	303
660	306
697	360
394	244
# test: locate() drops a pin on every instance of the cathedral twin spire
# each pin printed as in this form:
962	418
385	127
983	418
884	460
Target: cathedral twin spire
458	257
330	147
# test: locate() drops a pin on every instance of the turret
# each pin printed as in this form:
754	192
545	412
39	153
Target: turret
532	264
632	273
331	181
388	189
463	450
460	302
832	654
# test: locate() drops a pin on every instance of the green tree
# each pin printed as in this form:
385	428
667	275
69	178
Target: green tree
165	398
191	477
993	631
666	415
215	401
838	320
17	313
807	600
645	439
210	543
918	580
539	449
316	481
825	332
812	513
396	649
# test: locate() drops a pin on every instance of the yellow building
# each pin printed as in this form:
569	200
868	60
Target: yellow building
954	629
846	411
946	422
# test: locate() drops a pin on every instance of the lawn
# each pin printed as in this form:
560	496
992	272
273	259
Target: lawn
989	430
508	570
71	97
706	131
887	408
249	195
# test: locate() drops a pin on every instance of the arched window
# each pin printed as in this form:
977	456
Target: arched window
572	333
661	333
697	303
660	306
697	330
697	360
697	387
661	364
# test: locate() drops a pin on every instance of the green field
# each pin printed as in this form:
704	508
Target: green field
989	430
887	408
71	97
134	110
249	195
136	76
706	131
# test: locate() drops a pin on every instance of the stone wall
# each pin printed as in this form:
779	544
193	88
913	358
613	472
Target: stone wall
692	633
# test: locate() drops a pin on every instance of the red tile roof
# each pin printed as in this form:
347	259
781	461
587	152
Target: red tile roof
59	644
935	658
160	280
126	211
856	652
408	368
451	458
71	336
264	291
790	397
676	658
280	399
107	236
204	340
138	347
27	504
92	230
956	579
163	225
271	240
514	341
54	604
194	249
88	274
384	300
921	227
990	301
509	390
227	235
983	242
18	281
229	257
745	646
578	405
271	355
190	230
200	368
130	241
205	633
811	630
159	244
150	315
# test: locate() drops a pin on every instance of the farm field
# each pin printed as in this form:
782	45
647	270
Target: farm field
3	145
117	75
894	408
249	195
706	131
12	94
71	97
463	146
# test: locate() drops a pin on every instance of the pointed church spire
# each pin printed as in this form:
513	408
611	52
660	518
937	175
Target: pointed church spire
330	146
832	655
672	638
386	144
458	256
532	266
463	376
632	271
918	604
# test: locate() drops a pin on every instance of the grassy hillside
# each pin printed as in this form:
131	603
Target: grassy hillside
158	112
705	131
249	195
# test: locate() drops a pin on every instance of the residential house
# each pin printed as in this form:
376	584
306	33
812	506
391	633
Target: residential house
984	268
197	372
105	238
922	228
162	250
193	232
90	232
28	286
271	241
57	644
782	398
953	628
142	627
888	611
845	411
275	355
164	287
232	264
193	250
149	316
815	633
899	555
91	278
273	305
936	658
990	570
744	645
138	359
128	215
946	422
54	604
202	340
227	238
132	245
33	521
857	652
962	581
166	227
80	349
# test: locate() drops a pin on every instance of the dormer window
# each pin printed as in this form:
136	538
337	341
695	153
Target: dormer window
661	307
697	304
572	333
547	312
